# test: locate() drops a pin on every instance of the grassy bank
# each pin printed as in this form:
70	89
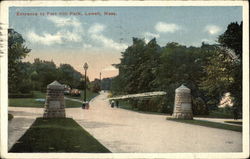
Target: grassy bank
57	135
31	102
208	124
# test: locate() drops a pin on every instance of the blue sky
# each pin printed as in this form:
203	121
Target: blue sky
99	39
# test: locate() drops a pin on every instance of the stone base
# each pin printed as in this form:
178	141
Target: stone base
183	116
54	113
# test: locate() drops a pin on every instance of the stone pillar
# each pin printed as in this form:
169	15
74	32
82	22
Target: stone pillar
54	105
183	106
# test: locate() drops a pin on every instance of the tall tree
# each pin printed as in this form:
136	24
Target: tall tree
68	75
16	52
224	70
232	38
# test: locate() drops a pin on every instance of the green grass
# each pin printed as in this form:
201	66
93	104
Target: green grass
31	102
234	122
208	124
72	104
57	135
217	114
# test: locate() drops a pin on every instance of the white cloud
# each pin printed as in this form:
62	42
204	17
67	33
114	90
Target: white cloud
96	28
46	38
167	27
70	36
50	39
212	29
62	21
62	35
87	46
109	43
95	32
110	68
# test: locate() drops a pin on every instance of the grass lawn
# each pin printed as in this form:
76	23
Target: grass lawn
208	124
234	122
31	102
57	135
217	114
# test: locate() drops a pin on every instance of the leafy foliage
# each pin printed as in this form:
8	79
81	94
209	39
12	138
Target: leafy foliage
16	52
25	76
209	71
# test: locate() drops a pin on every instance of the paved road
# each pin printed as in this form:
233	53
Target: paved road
127	131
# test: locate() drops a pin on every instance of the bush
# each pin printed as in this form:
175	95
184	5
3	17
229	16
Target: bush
25	86
199	107
154	104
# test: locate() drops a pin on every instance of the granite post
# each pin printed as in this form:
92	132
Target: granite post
54	105
183	105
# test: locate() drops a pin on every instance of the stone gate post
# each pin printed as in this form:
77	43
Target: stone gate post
54	105
183	105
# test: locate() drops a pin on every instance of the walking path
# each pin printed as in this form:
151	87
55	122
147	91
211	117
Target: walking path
128	131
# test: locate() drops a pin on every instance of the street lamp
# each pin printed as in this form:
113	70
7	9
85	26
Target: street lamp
100	81
85	66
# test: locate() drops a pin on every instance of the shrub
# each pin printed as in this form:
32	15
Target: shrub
199	107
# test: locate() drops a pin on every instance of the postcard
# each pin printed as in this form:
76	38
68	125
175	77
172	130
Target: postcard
124	79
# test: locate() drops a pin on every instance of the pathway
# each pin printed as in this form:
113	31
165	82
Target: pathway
127	131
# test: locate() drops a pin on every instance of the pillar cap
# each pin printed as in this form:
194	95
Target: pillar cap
183	88
55	85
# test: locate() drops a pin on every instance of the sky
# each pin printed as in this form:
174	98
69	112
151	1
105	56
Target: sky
75	35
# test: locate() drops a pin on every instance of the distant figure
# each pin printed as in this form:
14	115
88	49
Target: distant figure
235	112
83	105
112	103
117	103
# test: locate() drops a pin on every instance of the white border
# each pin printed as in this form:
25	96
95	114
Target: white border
3	83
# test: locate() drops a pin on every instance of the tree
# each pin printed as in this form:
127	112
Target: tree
95	85
232	38
16	52
224	69
68	75
130	68
46	71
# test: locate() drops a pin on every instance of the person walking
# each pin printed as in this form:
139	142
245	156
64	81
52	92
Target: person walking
117	104
235	112
112	103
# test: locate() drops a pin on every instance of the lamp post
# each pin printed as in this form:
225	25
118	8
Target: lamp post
85	66
100	81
